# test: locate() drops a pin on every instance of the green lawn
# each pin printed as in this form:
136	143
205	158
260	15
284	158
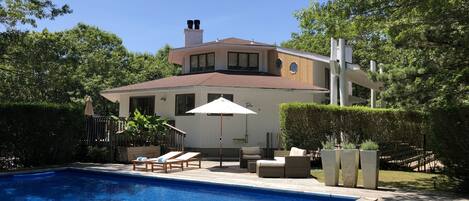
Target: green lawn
402	180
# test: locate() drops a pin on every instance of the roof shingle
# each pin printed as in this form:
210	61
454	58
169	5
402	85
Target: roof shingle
219	79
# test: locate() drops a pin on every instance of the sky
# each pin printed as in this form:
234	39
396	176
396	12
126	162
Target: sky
147	25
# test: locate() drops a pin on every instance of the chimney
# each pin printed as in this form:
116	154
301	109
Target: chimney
197	24
190	24
193	33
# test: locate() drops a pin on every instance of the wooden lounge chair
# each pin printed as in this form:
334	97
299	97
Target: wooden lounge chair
166	156
179	161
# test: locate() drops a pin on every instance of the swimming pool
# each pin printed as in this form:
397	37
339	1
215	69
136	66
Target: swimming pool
74	184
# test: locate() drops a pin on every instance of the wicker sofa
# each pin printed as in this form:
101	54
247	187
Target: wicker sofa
297	164
249	153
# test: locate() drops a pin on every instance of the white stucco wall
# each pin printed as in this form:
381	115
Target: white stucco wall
203	131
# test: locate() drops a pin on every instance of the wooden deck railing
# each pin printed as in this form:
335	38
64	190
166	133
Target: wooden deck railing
107	131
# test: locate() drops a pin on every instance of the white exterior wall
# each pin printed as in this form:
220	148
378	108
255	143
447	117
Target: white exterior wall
203	131
221	57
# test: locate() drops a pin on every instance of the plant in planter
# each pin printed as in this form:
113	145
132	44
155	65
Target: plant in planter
140	134
369	159
330	158
349	163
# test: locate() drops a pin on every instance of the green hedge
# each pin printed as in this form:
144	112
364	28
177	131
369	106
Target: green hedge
306	125
37	134
450	141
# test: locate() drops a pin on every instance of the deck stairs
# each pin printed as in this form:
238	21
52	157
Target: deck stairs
401	155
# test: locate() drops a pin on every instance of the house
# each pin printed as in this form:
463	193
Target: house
256	75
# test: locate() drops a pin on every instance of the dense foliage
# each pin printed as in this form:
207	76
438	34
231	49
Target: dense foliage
306	125
422	45
64	67
450	141
144	127
26	12
39	134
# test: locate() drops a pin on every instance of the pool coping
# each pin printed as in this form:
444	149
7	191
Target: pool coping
139	175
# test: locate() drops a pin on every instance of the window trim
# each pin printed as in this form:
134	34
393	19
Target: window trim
221	95
201	69
151	97
176	105
293	72
237	67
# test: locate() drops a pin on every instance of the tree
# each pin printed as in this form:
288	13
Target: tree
421	45
13	12
63	67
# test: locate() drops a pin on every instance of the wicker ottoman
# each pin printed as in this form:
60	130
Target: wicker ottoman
270	168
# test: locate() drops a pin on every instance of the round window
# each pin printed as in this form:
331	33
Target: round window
278	63
293	67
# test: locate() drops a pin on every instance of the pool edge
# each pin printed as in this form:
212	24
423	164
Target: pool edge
139	175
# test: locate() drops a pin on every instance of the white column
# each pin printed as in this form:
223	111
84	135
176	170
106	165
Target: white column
373	92
333	77
343	88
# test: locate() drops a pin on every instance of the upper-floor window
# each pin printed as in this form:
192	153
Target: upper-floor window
202	62
184	103
243	61
144	104
327	78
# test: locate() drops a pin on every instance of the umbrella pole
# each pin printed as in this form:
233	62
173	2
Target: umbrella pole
221	135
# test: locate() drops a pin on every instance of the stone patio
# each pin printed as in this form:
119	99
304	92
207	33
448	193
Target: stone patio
232	174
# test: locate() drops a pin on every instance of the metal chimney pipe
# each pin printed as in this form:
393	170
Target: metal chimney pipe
190	24
197	24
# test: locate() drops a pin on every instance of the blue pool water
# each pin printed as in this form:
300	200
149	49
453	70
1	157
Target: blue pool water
87	185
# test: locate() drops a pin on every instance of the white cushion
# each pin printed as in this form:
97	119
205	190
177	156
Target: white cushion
297	152
251	150
270	163
252	157
279	159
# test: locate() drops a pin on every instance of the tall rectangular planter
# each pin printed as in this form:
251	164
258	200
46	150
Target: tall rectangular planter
349	160
370	168
127	154
330	165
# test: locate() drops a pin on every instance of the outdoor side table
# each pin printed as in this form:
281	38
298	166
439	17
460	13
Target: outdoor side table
252	166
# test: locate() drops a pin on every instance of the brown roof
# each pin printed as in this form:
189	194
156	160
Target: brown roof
219	79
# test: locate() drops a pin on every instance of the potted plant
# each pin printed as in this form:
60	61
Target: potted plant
140	134
369	159
349	160
330	158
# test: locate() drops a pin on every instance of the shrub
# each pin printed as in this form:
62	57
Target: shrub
369	145
450	141
36	134
329	145
349	146
306	125
144	127
98	154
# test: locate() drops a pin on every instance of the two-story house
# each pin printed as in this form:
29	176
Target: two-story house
256	75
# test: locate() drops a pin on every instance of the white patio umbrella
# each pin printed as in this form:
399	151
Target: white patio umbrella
221	106
89	106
